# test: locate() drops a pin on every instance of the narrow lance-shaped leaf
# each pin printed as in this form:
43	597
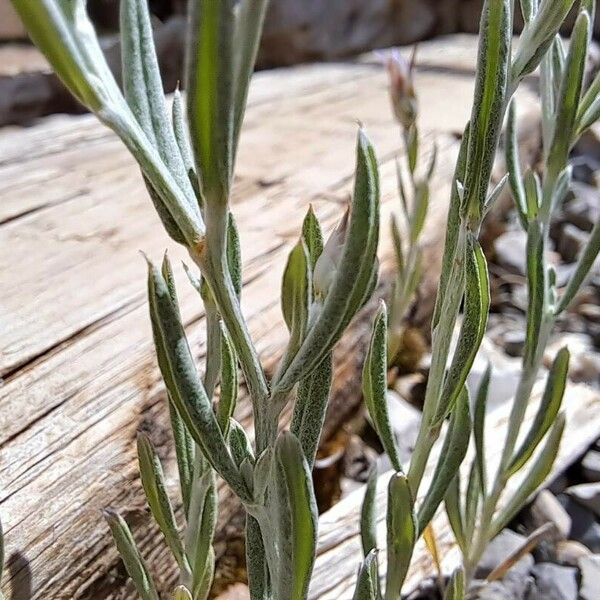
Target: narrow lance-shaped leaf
368	516
547	411
456	586
153	482
312	236
258	573
570	94
401	534
477	304
584	265
210	85
229	382
143	90
183	384
489	101
183	140
297	519
182	593
454	512
535	477
421	206
234	255
537	36
536	286
472	499
354	274
241	448
375	386
310	408
250	15
367	584
134	563
479	426
513	164
201	529
589	107
184	444
452	454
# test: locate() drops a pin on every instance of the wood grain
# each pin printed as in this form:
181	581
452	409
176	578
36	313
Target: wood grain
78	368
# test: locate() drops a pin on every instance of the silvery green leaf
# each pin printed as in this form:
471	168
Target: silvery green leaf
401	534
296	517
432	162
402	193
528	9
489	101
547	411
584	265
477	304
368	516
296	293
397	240
412	147
455	590
589	106
183	141
537	36
153	482
536	286
234	255
452	454
367	584
534	478
240	445
561	188
212	369
533	194
250	15
495	194
184	451
472	501
421	206
229	382
454	512
132	559
570	95
513	164
374	386
201	530
262	471
182	593
479	426
182	382
354	275
312	236
143	89
184	444
53	33
452	229
310	408
256	562
210	85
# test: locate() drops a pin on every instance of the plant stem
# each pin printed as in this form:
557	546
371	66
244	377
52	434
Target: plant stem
210	256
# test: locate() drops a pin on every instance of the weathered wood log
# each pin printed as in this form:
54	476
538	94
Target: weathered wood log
80	377
340	550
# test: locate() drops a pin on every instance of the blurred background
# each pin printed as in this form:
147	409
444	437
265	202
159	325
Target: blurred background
295	32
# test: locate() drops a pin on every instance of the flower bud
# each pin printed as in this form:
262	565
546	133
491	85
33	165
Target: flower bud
328	262
402	90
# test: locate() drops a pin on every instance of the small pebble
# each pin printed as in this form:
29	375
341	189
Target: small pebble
587	494
498	550
511	250
590	466
584	528
571	241
555	582
569	552
590	577
547	509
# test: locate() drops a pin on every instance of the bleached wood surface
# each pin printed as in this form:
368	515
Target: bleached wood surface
78	368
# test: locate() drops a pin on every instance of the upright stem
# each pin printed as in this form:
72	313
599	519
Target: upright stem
211	258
